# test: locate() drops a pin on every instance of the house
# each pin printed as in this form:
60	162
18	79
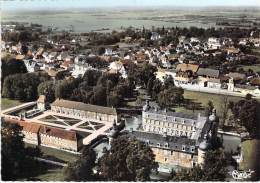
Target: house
85	111
118	67
187	67
62	56
108	51
232	51
67	65
208	73
247	89
51	57
31	65
236	76
155	36
214	83
79	69
214	43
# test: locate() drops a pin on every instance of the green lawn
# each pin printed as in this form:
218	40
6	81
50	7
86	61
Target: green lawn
255	68
59	155
203	98
8	103
52	175
251	154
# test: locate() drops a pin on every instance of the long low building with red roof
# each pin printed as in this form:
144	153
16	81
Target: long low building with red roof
54	137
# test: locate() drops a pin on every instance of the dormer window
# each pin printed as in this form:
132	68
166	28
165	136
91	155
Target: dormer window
183	148
183	121
192	149
166	145
158	145
147	142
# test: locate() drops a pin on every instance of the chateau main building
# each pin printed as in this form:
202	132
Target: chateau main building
177	139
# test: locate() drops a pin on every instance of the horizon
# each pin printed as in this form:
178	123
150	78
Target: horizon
33	5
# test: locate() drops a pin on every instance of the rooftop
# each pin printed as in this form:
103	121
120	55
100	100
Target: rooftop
84	107
165	142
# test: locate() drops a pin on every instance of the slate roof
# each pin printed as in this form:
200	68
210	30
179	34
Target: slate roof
208	72
84	107
165	142
175	117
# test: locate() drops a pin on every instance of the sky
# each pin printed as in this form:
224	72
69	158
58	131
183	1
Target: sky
14	5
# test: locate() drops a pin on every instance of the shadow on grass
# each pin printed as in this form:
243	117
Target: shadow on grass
191	104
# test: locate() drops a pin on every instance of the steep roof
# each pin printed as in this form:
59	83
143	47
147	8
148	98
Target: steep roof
173	142
208	72
187	67
84	107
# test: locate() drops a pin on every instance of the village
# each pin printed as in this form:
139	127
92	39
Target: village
88	86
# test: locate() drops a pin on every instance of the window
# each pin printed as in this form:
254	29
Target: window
158	145
147	142
183	148
192	149
166	145
165	159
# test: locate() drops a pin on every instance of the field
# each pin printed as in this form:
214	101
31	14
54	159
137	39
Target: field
7	103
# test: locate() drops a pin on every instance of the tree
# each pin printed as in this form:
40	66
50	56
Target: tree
170	97
214	169
209	108
23	86
224	110
246	112
82	169
17	161
11	66
47	88
127	160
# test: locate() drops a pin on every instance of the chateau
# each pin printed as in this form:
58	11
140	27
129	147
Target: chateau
177	139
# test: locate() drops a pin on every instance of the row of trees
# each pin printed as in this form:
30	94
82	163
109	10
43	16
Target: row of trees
127	160
17	161
11	66
166	94
94	88
247	113
131	160
23	86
